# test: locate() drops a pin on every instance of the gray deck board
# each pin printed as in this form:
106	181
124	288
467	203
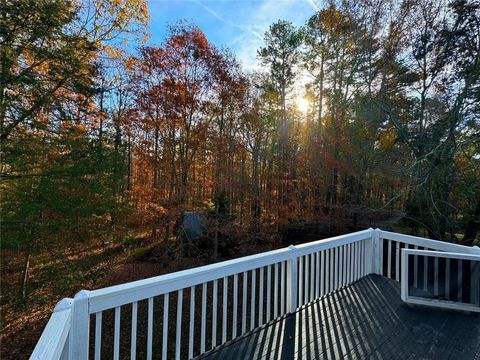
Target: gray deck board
365	320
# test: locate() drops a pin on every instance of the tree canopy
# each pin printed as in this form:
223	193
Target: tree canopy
97	137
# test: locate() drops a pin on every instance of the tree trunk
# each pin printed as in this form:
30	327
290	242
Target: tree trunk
155	166
25	276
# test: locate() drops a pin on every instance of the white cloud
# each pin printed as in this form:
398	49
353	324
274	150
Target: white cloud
314	4
266	13
256	17
229	22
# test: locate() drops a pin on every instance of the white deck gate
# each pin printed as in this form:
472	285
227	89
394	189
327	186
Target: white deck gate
216	303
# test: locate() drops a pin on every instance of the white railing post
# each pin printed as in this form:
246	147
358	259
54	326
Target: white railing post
292	285
404	278
376	252
79	331
370	253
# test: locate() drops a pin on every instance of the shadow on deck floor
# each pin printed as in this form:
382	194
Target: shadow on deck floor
365	320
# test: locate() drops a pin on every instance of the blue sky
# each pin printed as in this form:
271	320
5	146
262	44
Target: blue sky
236	24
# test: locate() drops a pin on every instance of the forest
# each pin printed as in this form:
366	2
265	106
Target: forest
367	115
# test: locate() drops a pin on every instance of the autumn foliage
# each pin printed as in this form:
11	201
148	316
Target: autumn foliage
100	142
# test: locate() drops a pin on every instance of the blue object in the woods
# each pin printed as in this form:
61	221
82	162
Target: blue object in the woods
192	226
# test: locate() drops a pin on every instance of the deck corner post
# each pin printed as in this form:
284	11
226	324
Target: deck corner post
370	253
80	325
292	285
376	252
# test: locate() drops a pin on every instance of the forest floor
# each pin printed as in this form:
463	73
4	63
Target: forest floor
55	275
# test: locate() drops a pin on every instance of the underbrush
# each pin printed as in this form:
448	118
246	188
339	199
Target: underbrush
52	276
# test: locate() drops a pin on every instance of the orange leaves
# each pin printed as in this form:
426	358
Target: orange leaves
387	139
107	20
148	214
183	93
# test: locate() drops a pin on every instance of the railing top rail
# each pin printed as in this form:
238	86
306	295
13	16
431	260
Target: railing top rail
442	254
433	244
52	342
332	242
122	294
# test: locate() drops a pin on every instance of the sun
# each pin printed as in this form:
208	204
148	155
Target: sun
303	104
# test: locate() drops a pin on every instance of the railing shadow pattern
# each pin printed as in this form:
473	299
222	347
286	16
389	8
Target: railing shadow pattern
363	320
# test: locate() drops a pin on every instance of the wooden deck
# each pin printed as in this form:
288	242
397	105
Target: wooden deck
364	320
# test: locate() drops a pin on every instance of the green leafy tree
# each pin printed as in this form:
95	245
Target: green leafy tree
281	55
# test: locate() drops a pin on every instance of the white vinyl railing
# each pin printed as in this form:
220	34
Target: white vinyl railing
53	344
390	245
452	280
190	312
